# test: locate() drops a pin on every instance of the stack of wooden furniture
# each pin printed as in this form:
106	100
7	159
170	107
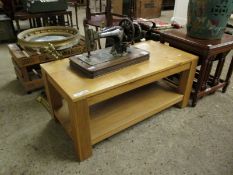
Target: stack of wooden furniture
27	64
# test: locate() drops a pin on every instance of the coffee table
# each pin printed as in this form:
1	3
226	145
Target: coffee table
92	110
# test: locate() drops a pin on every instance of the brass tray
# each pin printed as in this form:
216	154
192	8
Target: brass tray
37	38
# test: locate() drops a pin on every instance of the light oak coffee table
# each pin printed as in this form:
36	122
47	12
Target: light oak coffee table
92	110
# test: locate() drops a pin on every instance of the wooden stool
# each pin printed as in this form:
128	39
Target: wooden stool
208	51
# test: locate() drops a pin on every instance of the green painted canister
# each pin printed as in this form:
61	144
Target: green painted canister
207	19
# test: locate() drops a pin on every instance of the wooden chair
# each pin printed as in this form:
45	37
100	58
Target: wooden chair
102	18
107	17
15	11
63	18
11	6
76	4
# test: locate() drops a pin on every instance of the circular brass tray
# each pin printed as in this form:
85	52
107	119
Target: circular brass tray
60	37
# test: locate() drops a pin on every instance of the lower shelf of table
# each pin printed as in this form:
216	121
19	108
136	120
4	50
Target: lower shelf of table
116	114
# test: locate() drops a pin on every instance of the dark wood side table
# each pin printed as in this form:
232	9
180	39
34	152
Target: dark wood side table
208	51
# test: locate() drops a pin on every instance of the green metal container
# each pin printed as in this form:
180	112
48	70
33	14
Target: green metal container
207	19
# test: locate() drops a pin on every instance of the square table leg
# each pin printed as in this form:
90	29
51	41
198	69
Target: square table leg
186	82
80	123
200	80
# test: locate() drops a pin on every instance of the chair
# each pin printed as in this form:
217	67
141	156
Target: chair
76	4
63	18
107	17
15	11
102	18
11	6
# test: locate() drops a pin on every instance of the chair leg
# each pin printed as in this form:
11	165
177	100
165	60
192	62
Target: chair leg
17	25
76	14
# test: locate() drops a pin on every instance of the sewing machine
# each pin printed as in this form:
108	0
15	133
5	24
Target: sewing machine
37	6
121	54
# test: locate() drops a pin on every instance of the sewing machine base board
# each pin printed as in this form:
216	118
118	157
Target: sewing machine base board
101	61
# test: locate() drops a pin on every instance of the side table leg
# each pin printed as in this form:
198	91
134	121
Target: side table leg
186	82
207	74
229	73
200	80
80	121
221	61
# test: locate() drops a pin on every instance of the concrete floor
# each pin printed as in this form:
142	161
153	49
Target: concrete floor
191	141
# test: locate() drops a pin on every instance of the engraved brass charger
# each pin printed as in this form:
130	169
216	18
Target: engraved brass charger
60	37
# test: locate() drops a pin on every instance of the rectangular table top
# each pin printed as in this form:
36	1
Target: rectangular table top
181	36
75	85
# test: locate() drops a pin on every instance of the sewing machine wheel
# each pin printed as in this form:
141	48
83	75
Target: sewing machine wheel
129	30
137	31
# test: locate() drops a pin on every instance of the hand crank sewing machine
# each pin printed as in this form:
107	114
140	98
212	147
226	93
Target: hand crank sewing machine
121	54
